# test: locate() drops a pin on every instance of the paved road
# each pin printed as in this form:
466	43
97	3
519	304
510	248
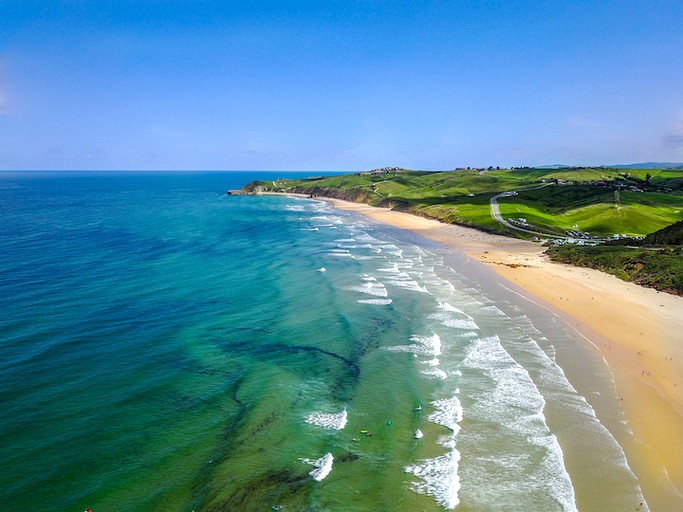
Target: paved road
495	213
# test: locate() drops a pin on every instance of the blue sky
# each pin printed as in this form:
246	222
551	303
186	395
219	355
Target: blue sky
338	85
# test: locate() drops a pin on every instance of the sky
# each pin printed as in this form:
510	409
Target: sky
338	85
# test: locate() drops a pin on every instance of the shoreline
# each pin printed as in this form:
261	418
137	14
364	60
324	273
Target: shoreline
635	329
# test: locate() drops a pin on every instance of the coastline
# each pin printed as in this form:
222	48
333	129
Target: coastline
635	329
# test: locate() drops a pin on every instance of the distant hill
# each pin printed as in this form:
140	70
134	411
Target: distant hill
553	166
642	165
670	235
648	165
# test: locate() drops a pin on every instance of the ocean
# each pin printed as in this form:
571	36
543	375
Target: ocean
166	347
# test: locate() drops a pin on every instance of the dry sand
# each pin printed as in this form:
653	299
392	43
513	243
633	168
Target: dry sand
638	331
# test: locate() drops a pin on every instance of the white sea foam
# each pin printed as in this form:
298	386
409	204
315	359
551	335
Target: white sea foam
392	249
422	345
438	478
392	269
402	348
491	309
322	466
449	307
340	253
435	372
513	399
449	320
376	302
448	413
367	257
441	286
332	421
407	284
327	218
374	288
429	345
470	334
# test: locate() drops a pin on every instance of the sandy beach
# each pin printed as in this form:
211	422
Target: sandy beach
638	331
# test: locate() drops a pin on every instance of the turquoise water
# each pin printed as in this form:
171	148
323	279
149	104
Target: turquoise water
165	347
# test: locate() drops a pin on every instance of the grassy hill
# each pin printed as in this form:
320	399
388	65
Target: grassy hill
597	210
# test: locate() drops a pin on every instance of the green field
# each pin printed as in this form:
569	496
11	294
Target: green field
594	210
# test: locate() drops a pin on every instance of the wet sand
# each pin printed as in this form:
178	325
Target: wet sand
638	331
